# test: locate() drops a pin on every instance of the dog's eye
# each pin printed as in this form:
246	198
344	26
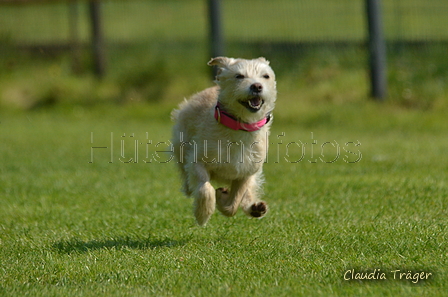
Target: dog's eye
266	76
239	76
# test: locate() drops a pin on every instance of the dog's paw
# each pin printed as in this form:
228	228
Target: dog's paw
223	202
222	195
223	190
258	210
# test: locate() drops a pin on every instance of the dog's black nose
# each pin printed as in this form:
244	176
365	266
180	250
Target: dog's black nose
256	88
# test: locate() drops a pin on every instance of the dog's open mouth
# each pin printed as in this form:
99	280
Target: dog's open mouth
253	104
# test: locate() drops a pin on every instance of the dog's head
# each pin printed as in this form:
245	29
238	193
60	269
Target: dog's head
247	87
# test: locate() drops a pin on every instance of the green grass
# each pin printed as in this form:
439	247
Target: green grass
72	228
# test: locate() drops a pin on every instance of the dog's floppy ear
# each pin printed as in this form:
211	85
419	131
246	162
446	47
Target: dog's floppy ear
263	59
221	62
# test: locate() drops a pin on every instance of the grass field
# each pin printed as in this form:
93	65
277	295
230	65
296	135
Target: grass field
74	228
83	221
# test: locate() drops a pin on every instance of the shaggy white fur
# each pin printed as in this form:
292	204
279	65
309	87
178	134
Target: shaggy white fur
206	150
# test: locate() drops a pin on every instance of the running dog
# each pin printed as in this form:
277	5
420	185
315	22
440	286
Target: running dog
220	135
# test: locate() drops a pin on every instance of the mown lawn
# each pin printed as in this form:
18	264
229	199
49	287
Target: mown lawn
69	227
90	206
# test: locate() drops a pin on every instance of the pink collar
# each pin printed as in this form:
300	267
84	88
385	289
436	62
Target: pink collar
229	121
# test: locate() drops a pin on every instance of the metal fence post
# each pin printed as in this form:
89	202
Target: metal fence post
377	50
73	15
97	38
216	39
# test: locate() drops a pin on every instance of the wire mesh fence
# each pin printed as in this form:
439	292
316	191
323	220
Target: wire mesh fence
288	32
251	20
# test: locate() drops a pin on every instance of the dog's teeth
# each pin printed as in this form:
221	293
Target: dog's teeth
254	103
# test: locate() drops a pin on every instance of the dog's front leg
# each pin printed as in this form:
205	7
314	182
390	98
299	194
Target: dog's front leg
251	204
204	193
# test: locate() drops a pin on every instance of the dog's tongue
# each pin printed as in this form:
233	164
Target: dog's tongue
255	101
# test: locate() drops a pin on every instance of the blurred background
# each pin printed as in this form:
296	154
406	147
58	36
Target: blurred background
154	51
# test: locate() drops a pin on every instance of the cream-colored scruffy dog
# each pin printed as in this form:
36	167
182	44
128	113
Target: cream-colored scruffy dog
221	133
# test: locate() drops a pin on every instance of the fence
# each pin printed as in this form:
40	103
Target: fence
71	23
312	20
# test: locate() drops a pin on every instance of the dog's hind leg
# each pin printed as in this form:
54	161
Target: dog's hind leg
242	191
204	193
